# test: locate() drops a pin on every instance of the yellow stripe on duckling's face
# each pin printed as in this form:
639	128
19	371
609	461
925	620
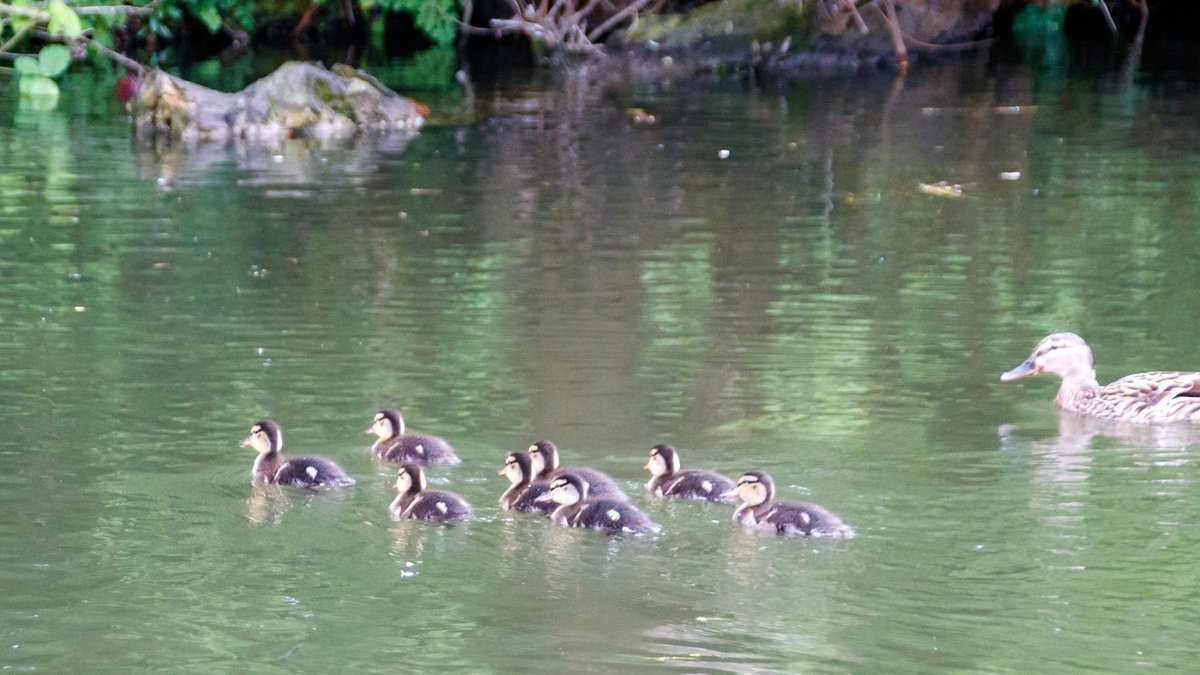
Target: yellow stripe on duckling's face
657	465
751	490
258	439
563	491
512	470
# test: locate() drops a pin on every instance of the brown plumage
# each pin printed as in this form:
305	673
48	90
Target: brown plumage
1160	396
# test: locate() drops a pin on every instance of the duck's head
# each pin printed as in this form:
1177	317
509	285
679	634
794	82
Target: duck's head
387	424
565	490
265	436
663	460
753	488
410	479
1064	354
517	468
543	456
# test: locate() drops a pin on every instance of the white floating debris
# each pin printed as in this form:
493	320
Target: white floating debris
942	189
1010	175
722	154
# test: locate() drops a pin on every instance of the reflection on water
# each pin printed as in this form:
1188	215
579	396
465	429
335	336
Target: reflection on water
799	306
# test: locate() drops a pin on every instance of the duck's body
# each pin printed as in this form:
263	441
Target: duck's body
270	467
414	502
1160	396
576	509
761	512
394	445
543	456
668	481
523	491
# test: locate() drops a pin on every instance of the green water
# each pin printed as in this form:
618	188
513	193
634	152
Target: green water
554	272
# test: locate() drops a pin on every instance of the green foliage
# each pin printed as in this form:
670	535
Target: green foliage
64	22
53	60
436	18
1037	22
36	87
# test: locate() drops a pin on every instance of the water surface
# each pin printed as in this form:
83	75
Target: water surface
552	271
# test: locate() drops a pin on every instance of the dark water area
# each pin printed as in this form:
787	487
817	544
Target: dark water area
758	279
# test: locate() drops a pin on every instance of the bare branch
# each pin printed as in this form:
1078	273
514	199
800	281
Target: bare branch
630	9
116	56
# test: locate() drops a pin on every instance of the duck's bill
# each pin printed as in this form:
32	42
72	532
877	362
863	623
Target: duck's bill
1024	370
544	497
729	494
503	470
369	431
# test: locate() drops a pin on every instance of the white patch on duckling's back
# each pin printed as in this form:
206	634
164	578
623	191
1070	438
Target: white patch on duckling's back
708	486
420	449
613	515
312	472
441	506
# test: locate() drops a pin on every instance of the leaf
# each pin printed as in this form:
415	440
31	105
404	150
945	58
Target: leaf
63	20
27	65
53	60
38	92
19	22
211	18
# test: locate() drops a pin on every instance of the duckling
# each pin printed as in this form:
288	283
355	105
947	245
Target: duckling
668	481
521	495
543	456
416	503
576	509
759	511
1170	396
270	467
396	446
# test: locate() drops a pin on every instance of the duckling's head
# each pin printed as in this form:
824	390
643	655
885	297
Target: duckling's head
753	488
517	468
410	479
1064	354
265	436
387	424
543	456
663	460
565	490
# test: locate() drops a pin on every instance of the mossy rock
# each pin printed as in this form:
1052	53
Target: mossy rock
299	99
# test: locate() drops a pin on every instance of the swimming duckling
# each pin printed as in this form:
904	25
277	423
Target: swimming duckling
521	495
543	456
396	446
759	511
576	509
416	503
668	481
270	467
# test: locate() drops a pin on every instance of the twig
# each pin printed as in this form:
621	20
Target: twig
1112	25
897	37
116	56
115	9
632	8
858	20
17	38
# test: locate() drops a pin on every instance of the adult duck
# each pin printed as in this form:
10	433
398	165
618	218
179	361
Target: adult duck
1160	396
